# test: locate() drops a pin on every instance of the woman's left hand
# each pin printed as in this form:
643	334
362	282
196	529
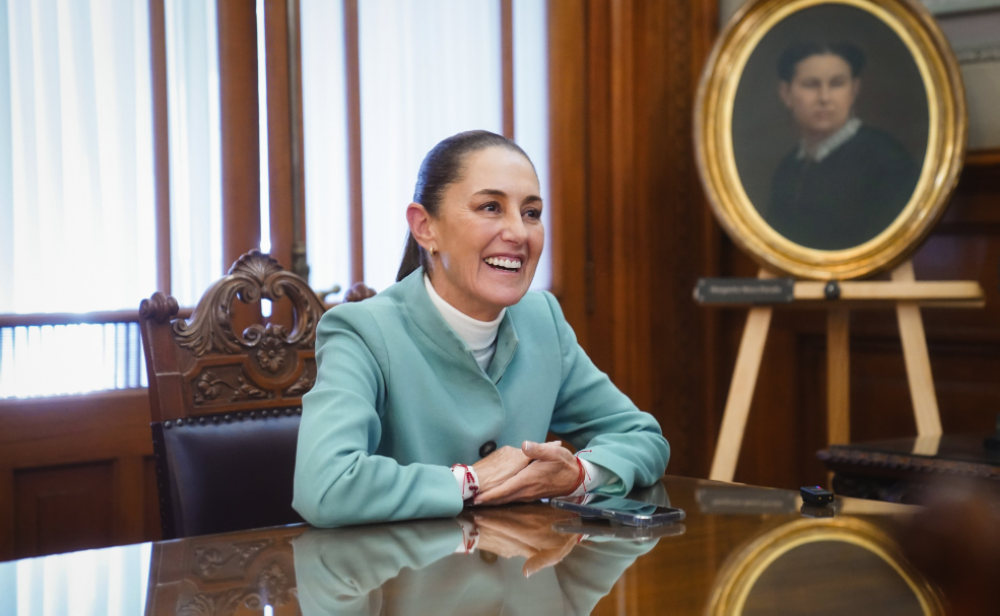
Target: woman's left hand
553	471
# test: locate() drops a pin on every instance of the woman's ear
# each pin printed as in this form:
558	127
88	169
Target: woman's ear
420	225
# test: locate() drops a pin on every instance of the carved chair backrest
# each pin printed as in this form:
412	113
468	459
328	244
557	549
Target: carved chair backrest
202	366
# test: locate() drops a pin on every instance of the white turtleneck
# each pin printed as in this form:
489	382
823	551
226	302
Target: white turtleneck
480	336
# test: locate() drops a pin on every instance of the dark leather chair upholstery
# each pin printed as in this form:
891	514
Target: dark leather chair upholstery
225	405
222	473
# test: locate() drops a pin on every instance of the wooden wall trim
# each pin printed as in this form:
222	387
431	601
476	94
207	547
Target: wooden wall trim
237	26
161	142
65	430
354	178
507	65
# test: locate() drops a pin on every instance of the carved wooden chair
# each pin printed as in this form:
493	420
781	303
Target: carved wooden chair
226	405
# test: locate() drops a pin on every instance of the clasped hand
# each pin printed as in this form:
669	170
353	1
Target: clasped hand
528	532
537	470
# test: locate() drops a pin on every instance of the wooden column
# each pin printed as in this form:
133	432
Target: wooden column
354	178
284	144
161	141
237	23
507	65
279	131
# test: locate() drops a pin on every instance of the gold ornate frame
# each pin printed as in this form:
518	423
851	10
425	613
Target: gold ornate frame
945	146
744	568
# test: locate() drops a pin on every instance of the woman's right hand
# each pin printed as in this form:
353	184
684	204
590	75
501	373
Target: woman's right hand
499	466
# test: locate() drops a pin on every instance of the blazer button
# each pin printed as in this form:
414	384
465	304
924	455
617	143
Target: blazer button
487	448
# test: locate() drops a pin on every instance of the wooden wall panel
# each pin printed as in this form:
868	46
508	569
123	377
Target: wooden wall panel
63	509
632	234
76	471
7	514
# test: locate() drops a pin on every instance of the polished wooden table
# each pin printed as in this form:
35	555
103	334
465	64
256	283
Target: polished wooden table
739	550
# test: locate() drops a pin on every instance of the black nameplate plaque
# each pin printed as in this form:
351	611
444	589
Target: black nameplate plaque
745	290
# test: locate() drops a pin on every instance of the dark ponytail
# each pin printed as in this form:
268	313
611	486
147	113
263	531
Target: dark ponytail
442	167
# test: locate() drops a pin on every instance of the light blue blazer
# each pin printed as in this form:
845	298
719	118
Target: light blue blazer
399	399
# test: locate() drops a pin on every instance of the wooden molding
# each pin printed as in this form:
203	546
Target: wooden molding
71	429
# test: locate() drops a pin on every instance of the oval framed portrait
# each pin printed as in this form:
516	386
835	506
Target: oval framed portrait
830	133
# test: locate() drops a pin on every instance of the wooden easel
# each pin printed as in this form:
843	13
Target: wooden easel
903	293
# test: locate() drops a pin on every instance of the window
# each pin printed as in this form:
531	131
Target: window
77	200
76	169
383	81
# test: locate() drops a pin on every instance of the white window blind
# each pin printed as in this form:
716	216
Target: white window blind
77	213
324	110
429	69
76	170
195	148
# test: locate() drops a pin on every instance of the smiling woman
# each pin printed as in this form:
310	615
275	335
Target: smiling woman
483	230
441	389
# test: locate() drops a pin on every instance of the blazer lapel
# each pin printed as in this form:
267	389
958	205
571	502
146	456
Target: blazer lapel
506	345
428	319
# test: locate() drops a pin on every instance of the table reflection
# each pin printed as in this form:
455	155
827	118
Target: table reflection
93	582
489	561
739	550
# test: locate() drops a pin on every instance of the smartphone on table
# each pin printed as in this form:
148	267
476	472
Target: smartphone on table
617	509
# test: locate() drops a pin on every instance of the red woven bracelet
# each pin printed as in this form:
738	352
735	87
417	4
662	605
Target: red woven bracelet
583	475
471	483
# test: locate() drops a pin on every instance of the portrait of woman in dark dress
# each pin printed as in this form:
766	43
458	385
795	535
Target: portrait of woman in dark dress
845	181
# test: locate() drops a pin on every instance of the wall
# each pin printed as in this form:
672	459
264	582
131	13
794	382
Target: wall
634	234
631	230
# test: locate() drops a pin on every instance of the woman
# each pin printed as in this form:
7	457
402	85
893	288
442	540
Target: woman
440	390
846	181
